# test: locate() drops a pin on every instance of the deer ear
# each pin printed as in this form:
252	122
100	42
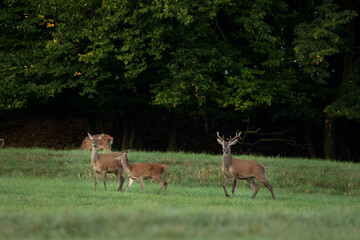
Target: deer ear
233	142
219	141
90	136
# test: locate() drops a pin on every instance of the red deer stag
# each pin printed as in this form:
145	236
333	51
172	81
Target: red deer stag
141	171
105	163
104	144
241	168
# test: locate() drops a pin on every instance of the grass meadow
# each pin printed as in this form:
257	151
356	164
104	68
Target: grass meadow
48	194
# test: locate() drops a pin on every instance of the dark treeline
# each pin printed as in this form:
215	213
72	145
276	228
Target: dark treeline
167	75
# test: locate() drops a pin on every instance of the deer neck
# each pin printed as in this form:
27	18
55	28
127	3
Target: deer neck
125	164
94	155
226	160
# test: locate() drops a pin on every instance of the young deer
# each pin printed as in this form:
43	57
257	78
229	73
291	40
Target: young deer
240	168
105	163
141	171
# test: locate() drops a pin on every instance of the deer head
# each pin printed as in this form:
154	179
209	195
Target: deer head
95	141
226	144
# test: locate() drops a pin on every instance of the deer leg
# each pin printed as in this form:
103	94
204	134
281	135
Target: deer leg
96	179
104	179
254	186
121	180
118	176
234	185
268	186
224	186
129	184
163	184
161	187
142	183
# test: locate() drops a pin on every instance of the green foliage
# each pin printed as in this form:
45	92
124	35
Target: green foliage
321	38
24	35
191	57
348	103
252	75
195	56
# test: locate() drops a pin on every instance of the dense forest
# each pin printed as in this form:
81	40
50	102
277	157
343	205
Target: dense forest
167	75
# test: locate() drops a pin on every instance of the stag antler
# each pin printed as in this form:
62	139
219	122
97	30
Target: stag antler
236	136
230	139
220	137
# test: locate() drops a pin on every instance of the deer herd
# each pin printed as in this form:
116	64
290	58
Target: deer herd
115	162
105	163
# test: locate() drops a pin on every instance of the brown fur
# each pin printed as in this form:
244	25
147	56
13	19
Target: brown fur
2	143
104	144
142	171
105	163
241	169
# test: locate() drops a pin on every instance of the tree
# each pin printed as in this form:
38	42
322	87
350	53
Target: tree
318	41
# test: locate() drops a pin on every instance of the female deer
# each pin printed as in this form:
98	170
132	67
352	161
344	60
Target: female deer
141	171
105	163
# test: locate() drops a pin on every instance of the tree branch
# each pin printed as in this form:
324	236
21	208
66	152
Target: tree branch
222	33
279	137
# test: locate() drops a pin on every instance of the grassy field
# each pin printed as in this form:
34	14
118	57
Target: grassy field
47	194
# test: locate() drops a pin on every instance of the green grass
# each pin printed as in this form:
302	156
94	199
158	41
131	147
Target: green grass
47	194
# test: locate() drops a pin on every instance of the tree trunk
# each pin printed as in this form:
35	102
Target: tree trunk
102	128
125	143
92	124
329	138
343	133
308	135
133	128
173	138
139	123
117	131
